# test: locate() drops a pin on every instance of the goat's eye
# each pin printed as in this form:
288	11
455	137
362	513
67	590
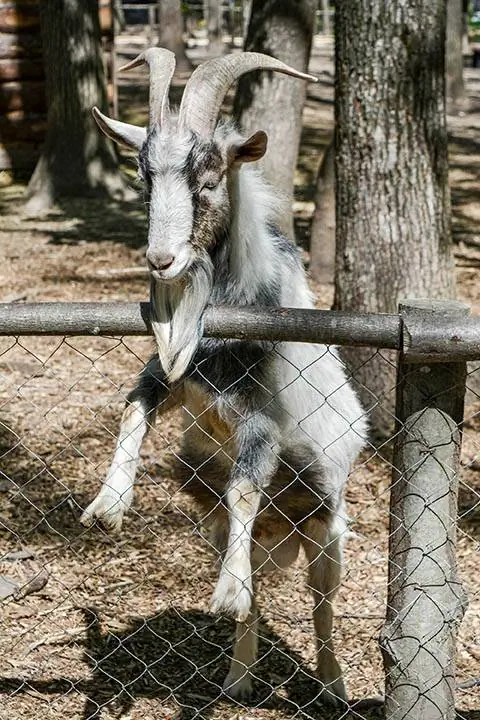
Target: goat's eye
209	185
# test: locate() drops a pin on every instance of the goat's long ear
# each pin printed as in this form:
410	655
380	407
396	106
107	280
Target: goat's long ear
122	133
251	150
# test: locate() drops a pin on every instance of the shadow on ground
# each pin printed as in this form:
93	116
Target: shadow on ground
181	658
101	220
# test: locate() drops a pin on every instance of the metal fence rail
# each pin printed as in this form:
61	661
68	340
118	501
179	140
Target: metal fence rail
63	367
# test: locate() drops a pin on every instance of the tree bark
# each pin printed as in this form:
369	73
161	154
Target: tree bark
455	85
322	237
273	102
119	14
326	22
214	26
246	10
392	198
171	31
76	158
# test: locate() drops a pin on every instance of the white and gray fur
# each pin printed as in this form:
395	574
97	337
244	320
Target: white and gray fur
270	430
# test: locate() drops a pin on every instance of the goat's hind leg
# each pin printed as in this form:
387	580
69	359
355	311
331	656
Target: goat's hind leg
322	543
116	494
255	465
238	683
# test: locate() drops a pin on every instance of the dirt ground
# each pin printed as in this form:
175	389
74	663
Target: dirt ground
120	627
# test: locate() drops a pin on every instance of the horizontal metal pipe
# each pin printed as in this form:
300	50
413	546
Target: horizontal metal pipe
288	324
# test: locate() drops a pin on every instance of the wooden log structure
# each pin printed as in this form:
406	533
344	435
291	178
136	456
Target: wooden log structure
22	86
23	105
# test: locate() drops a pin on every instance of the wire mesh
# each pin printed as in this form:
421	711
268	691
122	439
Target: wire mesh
101	625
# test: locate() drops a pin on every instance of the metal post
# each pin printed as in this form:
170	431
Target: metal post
426	600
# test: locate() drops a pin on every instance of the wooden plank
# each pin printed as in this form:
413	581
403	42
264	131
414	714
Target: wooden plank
28	95
21	69
19	15
26	45
19	155
20	126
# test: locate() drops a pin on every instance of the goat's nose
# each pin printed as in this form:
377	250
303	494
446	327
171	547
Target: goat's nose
160	262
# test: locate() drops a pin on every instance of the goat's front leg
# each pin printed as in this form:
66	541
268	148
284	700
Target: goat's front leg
256	463
151	395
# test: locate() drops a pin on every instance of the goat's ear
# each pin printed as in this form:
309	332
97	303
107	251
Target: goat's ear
252	149
122	133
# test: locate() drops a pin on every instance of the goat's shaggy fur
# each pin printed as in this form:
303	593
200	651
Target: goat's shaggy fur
270	429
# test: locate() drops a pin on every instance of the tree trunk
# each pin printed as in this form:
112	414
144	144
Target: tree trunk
393	213
119	14
322	237
76	159
171	31
456	98
246	10
214	26
273	102
326	24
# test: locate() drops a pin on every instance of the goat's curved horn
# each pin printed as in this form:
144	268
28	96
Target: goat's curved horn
162	66
208	85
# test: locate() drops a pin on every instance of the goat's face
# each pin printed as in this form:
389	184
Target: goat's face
184	160
186	188
186	179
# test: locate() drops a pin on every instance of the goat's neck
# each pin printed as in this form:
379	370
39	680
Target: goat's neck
251	252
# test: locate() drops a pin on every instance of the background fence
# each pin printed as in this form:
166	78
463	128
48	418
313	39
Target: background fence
105	626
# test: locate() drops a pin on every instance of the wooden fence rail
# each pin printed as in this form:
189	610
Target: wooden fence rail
430	335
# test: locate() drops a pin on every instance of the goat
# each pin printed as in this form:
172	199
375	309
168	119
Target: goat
271	430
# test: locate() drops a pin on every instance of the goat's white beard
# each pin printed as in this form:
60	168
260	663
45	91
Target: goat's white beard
177	311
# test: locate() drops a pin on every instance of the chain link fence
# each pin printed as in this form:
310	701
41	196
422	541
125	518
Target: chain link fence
99	625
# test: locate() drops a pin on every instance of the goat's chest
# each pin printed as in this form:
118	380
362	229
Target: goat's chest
205	418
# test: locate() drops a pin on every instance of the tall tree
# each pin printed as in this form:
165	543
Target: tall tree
326	21
119	14
213	10
284	29
246	10
322	237
76	158
456	97
171	31
393	211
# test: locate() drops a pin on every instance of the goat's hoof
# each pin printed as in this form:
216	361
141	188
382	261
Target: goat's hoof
232	596
333	693
108	509
238	689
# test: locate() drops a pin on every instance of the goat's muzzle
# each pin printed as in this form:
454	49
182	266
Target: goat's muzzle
165	267
157	261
